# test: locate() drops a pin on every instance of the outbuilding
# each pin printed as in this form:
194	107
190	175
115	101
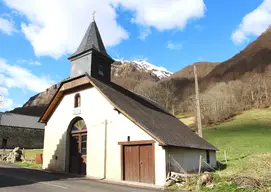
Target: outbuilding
22	131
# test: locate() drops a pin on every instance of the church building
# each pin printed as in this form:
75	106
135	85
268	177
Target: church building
97	128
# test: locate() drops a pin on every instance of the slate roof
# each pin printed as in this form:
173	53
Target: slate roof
163	125
91	40
17	120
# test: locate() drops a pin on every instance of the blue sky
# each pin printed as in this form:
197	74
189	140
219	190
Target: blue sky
36	37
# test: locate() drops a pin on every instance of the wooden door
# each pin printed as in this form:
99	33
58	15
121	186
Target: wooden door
78	153
131	163
138	163
146	163
74	154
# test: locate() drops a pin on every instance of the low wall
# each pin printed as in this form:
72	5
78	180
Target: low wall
28	138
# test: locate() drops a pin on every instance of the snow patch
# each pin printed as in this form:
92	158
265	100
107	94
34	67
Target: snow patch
159	72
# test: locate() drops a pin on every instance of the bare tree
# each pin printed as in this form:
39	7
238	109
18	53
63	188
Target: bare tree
164	93
1	100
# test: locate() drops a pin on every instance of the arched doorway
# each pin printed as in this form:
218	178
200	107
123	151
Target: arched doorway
78	147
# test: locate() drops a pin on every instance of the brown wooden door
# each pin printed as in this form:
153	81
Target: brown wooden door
74	154
138	163
131	163
146	162
78	152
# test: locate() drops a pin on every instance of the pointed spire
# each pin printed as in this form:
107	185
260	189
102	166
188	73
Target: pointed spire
91	40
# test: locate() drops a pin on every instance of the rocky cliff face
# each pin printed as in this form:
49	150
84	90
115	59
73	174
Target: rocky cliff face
42	98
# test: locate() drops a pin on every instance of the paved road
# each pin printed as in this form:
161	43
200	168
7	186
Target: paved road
16	179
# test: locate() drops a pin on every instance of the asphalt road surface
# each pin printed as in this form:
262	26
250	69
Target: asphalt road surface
13	178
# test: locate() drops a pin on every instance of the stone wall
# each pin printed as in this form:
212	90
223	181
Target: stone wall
27	138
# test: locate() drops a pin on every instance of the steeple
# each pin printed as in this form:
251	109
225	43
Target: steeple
92	40
91	56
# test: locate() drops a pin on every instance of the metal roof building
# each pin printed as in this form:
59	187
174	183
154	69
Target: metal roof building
18	120
22	131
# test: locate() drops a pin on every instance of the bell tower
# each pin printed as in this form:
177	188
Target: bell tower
91	56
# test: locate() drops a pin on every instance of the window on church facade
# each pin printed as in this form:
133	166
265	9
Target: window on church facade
101	70
77	100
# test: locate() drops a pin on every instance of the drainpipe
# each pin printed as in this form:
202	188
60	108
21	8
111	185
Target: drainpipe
105	146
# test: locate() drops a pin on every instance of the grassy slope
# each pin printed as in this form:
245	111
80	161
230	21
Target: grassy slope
248	133
247	141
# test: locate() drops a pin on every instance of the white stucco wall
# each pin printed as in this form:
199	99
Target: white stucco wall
95	109
187	160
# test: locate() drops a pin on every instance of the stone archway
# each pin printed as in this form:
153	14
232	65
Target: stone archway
78	147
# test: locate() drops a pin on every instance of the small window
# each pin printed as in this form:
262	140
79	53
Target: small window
208	156
77	100
84	145
101	70
4	143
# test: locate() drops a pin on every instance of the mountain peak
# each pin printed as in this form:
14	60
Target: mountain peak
144	66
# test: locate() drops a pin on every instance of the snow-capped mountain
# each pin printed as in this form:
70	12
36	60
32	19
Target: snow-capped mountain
144	66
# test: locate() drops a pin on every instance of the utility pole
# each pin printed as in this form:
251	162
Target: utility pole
197	103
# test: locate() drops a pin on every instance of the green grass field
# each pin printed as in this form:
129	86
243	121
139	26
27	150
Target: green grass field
30	154
247	133
247	142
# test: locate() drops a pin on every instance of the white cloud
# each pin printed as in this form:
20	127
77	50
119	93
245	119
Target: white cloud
3	91
164	14
174	46
7	26
6	103
55	28
13	76
29	62
144	33
254	23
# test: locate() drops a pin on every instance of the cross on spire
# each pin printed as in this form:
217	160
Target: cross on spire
93	14
91	40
